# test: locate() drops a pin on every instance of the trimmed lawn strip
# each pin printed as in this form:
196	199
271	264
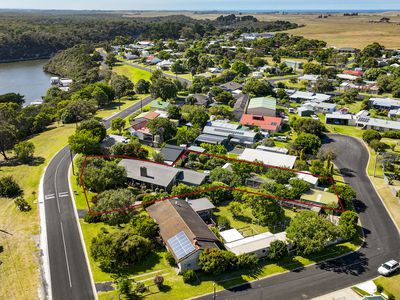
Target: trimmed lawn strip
390	284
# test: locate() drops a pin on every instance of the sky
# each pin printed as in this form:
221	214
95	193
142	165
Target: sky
203	4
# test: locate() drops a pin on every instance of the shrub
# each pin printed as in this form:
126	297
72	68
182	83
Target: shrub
247	260
379	288
170	259
390	296
370	135
22	205
9	187
217	261
91	218
140	287
189	276
24	150
223	222
277	250
159	281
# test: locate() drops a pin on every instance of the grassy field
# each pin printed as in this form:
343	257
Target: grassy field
132	73
337	30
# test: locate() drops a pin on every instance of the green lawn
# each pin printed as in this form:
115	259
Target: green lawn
117	106
246	221
134	74
390	284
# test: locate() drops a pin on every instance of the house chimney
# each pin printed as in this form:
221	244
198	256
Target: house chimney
143	171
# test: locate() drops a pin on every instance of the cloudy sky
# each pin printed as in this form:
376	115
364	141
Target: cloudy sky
204	4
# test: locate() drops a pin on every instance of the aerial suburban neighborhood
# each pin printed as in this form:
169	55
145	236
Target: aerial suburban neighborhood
182	154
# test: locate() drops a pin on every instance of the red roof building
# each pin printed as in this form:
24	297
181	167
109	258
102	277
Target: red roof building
353	72
270	124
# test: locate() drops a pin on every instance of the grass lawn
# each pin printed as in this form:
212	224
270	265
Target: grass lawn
390	284
117	106
344	129
132	73
246	222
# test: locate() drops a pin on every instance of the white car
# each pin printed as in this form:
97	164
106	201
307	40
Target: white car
388	267
315	117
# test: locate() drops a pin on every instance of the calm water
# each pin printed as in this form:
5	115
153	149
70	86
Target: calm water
26	78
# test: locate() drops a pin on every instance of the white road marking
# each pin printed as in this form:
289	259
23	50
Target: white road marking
66	256
49	196
63	194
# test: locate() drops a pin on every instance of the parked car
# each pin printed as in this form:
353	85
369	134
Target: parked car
388	267
292	110
315	117
280	138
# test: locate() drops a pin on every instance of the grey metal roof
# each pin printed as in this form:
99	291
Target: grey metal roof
211	139
171	152
156	174
201	204
191	177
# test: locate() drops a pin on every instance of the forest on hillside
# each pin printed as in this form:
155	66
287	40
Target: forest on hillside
28	35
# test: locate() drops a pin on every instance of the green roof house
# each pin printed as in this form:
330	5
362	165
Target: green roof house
262	106
159	105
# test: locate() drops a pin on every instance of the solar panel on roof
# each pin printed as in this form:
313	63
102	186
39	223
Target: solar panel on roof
181	245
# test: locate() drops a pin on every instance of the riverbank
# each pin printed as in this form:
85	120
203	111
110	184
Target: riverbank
6	61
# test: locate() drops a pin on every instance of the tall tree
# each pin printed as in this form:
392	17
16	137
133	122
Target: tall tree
8	138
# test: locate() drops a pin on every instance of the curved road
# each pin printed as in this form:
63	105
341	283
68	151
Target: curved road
69	273
382	241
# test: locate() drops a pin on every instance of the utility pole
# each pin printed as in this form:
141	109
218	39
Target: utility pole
376	162
214	290
72	162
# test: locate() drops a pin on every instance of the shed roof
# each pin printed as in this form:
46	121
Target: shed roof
171	152
254	243
201	204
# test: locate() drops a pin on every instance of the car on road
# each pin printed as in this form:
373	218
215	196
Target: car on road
315	117
389	267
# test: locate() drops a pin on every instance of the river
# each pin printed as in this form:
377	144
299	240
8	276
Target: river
26	78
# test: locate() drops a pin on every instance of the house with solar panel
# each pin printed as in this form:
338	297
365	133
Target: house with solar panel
183	231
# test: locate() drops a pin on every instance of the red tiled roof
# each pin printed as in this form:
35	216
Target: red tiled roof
353	72
264	122
151	115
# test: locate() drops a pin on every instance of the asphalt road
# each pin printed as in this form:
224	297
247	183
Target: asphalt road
69	273
382	241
